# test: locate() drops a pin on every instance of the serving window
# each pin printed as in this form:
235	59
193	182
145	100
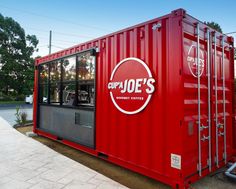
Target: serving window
68	81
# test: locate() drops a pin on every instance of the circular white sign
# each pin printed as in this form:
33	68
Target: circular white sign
193	63
131	85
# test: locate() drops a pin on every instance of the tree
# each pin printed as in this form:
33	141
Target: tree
16	62
214	25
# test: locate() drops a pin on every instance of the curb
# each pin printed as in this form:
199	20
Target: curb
15	105
25	125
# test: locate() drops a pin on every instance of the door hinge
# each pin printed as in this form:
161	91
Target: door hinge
156	26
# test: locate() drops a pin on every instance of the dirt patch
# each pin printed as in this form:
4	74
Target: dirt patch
122	175
23	130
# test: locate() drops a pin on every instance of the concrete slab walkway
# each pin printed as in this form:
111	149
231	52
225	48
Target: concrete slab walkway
26	163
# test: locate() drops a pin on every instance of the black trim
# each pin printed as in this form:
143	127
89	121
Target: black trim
61	84
79	107
73	54
38	93
76	79
93	52
95	100
49	82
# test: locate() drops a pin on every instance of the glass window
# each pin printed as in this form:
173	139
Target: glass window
69	81
68	68
55	82
55	71
86	74
43	73
55	94
63	88
43	93
68	94
43	83
86	66
86	95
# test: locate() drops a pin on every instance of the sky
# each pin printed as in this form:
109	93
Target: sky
76	21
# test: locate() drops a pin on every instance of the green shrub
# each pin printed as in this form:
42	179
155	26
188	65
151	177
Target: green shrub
17	114
20	97
21	117
4	97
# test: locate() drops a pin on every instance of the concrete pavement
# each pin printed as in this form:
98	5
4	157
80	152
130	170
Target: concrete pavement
26	163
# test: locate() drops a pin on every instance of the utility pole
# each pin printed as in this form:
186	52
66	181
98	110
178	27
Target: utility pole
50	41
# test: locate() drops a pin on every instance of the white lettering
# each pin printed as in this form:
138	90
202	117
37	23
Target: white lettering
150	85
131	86
138	85
124	88
113	85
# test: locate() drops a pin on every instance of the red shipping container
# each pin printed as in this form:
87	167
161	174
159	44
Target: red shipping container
156	98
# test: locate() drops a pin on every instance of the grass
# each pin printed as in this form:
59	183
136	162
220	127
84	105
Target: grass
12	102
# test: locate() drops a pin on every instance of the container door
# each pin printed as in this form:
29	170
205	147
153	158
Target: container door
197	102
207	97
220	95
220	115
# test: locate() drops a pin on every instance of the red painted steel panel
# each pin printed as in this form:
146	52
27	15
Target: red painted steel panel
166	129
35	100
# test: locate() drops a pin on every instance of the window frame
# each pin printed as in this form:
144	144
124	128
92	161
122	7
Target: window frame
45	84
78	82
62	83
55	82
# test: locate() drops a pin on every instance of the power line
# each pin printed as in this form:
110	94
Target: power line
83	36
42	46
54	18
230	33
58	47
53	42
58	40
59	33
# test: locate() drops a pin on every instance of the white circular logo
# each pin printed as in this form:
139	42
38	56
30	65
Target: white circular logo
131	85
193	64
